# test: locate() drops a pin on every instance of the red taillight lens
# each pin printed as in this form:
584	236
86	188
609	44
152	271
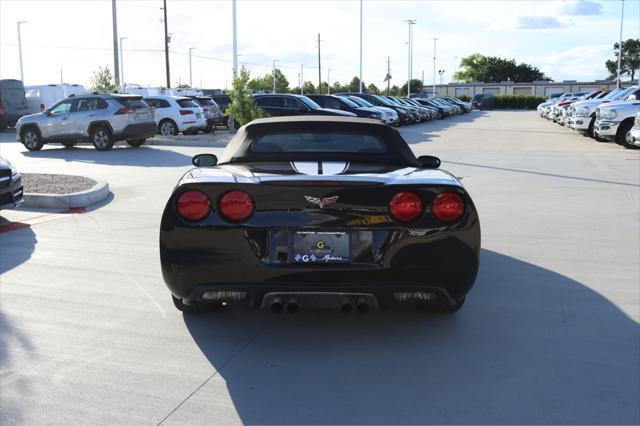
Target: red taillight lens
185	112
448	207
193	205
236	205
124	111
405	206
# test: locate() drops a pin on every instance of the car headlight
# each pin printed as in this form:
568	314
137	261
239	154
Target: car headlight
608	114
376	115
583	111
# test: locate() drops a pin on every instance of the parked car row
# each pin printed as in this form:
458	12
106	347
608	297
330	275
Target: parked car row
388	109
104	119
605	115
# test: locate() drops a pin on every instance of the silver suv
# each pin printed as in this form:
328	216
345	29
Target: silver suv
101	119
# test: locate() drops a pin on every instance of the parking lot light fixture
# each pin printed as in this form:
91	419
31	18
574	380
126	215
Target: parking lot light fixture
620	47
433	94
274	75
124	85
410	22
20	50
190	72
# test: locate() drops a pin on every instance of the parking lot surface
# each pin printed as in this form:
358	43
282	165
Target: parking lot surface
549	334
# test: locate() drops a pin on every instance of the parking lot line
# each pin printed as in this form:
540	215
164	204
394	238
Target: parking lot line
12	226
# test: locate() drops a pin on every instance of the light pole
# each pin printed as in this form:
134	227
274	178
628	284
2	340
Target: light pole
455	66
620	47
20	50
190	73
410	22
116	67
328	81
235	40
433	95
302	79
122	65
274	75
441	73
360	88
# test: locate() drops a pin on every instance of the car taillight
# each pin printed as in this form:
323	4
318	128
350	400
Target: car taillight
405	206
124	111
236	205
193	205
448	207
185	112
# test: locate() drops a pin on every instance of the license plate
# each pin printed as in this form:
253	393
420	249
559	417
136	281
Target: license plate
198	115
320	247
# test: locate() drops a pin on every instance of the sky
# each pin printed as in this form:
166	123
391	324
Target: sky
567	40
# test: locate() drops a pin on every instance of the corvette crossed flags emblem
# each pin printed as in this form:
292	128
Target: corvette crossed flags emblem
321	202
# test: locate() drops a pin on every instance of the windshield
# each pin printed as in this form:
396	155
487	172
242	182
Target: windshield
623	93
349	102
187	103
360	101
384	101
308	102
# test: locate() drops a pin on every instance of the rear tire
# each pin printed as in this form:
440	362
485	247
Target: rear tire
101	138
31	139
136	142
68	144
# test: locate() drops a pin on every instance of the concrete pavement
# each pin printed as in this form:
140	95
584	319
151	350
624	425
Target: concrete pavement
549	334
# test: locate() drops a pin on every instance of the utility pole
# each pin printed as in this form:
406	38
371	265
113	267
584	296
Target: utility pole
411	22
620	47
61	79
122	64
388	75
116	66
319	66
441	74
190	74
433	95
360	89
274	75
302	79
20	50
166	44
328	81
235	40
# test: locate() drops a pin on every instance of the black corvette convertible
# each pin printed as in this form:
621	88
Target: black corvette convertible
319	212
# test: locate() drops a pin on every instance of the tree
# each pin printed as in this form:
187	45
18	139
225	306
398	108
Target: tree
354	86
241	106
183	86
266	83
102	81
337	87
309	87
371	88
491	69
630	61
324	88
394	91
416	87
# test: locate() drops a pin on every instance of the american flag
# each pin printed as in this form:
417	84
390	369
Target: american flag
387	77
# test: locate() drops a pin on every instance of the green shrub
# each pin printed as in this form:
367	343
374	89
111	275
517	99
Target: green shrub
465	98
241	106
517	101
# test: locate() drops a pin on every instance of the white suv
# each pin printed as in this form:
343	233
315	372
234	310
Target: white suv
176	114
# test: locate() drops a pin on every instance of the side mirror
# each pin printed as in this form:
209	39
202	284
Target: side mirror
429	162
204	160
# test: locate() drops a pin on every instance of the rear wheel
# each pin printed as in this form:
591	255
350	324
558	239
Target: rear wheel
136	142
101	138
68	144
31	139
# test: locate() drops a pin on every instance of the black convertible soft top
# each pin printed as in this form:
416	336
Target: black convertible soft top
239	148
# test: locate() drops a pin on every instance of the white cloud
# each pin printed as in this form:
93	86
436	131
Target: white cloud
579	7
524	22
582	63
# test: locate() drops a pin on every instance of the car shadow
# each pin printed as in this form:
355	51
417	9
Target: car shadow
144	156
16	246
530	346
425	132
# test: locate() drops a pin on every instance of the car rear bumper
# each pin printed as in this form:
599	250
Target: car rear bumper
137	131
325	295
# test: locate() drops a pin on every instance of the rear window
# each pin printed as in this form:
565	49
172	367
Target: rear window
132	103
187	103
13	97
319	142
206	102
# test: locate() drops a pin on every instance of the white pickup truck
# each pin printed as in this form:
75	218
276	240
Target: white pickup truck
614	121
583	113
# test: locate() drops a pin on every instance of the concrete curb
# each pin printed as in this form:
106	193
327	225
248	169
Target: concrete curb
184	142
99	192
